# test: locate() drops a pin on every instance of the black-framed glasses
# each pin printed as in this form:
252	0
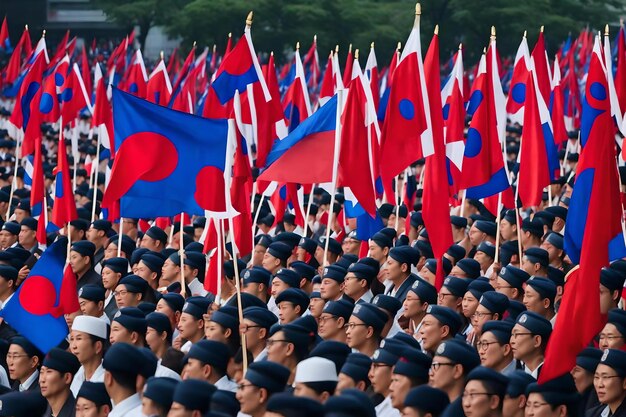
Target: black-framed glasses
245	327
484	345
322	319
241	387
472	395
271	342
480	314
436	365
351	326
442	296
516	335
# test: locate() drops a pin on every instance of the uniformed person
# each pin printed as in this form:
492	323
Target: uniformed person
55	378
81	261
88	341
261	380
609	381
484	392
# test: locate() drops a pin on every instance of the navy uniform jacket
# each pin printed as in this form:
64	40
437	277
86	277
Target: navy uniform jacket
454	409
89	277
68	409
404	288
597	411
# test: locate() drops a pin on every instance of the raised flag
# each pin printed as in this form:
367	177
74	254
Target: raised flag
166	162
74	95
5	42
593	234
159	88
37	308
557	110
137	80
103	115
64	207
620	72
386	84
173	63
329	82
312	65
347	71
543	77
371	72
86	72
296	101
518	87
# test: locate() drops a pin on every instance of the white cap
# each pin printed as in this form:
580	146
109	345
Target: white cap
316	369
91	325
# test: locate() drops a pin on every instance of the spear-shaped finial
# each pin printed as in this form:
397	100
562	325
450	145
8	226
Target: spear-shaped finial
194	44
336	49
356	54
272	53
418	9
315	38
541	29
436	29
249	18
161	53
297	46
43	35
493	32
372	45
26	27
460	46
350	48
484	50
399	46
525	33
606	30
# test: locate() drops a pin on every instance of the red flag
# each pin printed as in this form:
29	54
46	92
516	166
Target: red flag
518	87
103	113
312	62
593	236
296	101
327	90
159	88
61	49
371	70
240	192
86	72
347	72
435	207
68	296
12	70
173	64
64	208
4	35
620	73
229	45
215	271
26	43
542	69
74	95
137	80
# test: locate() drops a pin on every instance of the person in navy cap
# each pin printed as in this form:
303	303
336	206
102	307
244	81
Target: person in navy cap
539	297
452	292
470	301
333	253
292	303
466	268
510	282
508	226
354	373
129	326
155	239
288	405
192	397
22	404
334	317
256	281
307	272
529	339
122	364
223	326
556	397
429	270
423	401
261	381
611	286
170	272
411	370
91	300
283	278
159	336
610	384
482	231
207	360
351	244
485	254
93	400
398	271
130	291
149	268
390	306
158	394
613	335
171	304
28	235
359	279
553	244
276	256
98	234
363	330
113	270
305	252
9	276
81	261
55	377
491	306
514	403
333	277
191	322
379	246
494	346
484	392
9	234
193	270
532	231
586	363
289	344
535	262
256	325
439	324
418	298
24	361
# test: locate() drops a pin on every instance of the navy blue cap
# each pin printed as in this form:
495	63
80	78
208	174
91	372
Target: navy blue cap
427	399
128	245
557	211
407	339
123	358
501	329
286	405
339	308
118	265
223	404
159	322
556	275
478	287
424	249
22	404
84	247
458	221
157	234
495	302
315	294
174	301
12	227
390	232
456	286
305	270
535	323
545	217
134	284
94	392
295	296
195	260
404	255
457	252
91	292
382	240
370	315
487	248
611	279
150	362
545	287
62	361
459	352
30	349
289	277
497	381
226	317
8	272
588	359
534	226
470	266
431	265
211	352
194	394
334	351
538	256
357	366
269	375
308	245
153	262
258	275
510	216
29	222
371	262
486	227
247	300
387	356
416	219
261	316
263	240
363	271
555	239
132	318
425	291
388	303
101	224
279	250
446	316
615	359
229	268
516	277
289	238
413	363
196	306
515	309
335	273
160	390
518	381
557	391
345	261
617	317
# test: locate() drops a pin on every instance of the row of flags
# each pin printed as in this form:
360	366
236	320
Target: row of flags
184	146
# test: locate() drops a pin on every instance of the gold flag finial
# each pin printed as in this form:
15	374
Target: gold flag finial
606	30
418	9
541	29
26	27
249	18
493	32
372	45
436	29
297	46
356	54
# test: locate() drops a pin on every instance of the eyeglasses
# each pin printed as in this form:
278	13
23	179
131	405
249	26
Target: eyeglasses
442	296
602	378
436	365
12	357
241	387
534	405
351	326
609	336
376	365
499	287
245	327
472	395
480	314
323	320
516	335
121	293
484	345
271	342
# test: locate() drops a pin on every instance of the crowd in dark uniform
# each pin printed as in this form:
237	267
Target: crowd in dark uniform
345	335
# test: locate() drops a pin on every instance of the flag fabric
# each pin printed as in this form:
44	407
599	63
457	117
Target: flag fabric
86	73
312	65
103	115
347	71
541	66
64	207
557	109
331	81
296	101
36	309
593	234
5	42
74	95
159	88
620	72
37	190
386	84
166	162
435	208
371	72
137	79
518	87
407	134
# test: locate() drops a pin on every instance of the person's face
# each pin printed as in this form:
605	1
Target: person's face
287	312
86	408
92	235
611	338
110	251
125	298
248	397
253	333
352	246
194	369
427	275
476	403
330	289
430	333
522	342
512	406
411	412
400	386
178	410
278	286
27	237
377	252
163	307
344	382
413	306
119	333
78	262
480	317
51	382
89	308
483	259
316	306
356	332
503	287
277	348
353	286
447	299
507	230
149	407
270	262
533	301
215	331
536	406
553	253
301	390
154	339
456	271
491	352
170	270
7	239
19	364
469	304
442	373
380	376
528	266
582	378
82	346
189	326
150	244
609	386
257	255
329	326
144	272
606	299
394	269
110	278
476	236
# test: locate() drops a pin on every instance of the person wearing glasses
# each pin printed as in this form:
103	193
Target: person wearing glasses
358	281
411	370
514	403
364	328
614	331
529	339
494	348
334	317
452	292
554	398
130	291
484	392
261	381
609	381
453	361
289	345
586	363
491	306
423	401
256	325
23	361
510	282
439	324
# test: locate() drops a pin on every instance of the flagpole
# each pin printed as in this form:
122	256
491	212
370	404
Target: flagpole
497	255
398	199
463	203
256	214
182	260
308	210
95	181
337	149
518	222
14	182
119	236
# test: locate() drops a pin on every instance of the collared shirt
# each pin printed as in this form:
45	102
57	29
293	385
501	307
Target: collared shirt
105	318
262	356
3	303
225	384
385	409
29	381
164	371
130	407
553	321
534	373
510	368
79	378
365	298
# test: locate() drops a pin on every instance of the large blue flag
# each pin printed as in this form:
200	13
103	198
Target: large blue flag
166	161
